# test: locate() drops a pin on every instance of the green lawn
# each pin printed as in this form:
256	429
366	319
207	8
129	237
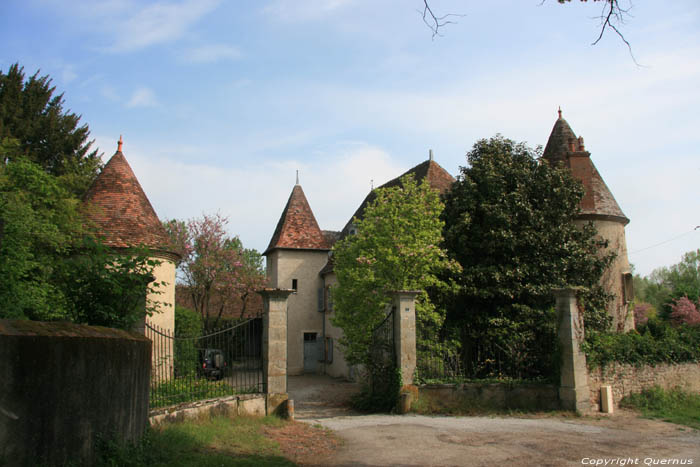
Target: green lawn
208	442
673	406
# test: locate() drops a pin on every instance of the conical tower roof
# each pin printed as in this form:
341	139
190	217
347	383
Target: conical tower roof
564	148
438	179
118	206
297	227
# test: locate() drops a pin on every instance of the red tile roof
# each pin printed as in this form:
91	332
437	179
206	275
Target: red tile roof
437	177
118	206
297	227
564	148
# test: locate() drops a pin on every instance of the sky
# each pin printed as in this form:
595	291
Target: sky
221	102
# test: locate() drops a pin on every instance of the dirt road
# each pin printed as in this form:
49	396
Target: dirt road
385	440
412	440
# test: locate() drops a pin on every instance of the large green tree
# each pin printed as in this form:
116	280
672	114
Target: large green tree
509	223
48	135
53	267
397	247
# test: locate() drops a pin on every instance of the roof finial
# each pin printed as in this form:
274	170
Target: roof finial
297	176
430	154
119	144
559	111
371	185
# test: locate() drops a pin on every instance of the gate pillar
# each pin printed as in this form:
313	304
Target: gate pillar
275	339
574	393
404	303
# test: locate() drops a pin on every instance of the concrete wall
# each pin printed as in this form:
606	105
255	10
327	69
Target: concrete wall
614	233
63	385
494	395
626	379
250	405
304	266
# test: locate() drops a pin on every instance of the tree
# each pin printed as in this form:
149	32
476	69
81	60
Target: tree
215	268
397	247
53	267
47	135
666	284
684	311
509	222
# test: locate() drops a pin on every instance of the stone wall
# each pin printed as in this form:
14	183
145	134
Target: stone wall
64	385
250	405
626	379
495	395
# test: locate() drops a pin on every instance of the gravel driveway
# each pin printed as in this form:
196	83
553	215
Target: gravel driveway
394	440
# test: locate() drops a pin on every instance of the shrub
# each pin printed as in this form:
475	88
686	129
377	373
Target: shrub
684	312
658	343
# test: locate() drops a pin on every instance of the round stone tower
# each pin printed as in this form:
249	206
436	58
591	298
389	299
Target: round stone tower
118	206
599	206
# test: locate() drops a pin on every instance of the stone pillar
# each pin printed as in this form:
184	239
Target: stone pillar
404	303
275	339
573	388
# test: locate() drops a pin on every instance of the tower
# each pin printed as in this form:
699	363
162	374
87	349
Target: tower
296	253
118	206
598	205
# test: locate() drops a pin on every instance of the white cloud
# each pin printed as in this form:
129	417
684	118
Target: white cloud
304	10
142	97
334	188
158	23
212	53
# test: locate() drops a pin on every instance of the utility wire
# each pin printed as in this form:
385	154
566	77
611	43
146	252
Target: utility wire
666	241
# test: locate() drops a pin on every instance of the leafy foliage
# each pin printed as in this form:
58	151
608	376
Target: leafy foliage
684	312
657	342
509	222
188	326
215	268
396	248
52	266
46	134
667	284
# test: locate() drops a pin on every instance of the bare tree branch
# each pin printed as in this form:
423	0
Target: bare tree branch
436	22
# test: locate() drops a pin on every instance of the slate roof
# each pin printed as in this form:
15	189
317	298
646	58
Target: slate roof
118	206
438	178
564	148
297	227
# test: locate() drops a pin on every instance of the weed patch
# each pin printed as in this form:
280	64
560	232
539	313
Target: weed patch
675	406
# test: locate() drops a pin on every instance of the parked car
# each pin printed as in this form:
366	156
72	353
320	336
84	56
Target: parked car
213	364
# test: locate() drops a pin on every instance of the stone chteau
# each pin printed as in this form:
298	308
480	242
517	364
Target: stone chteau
298	255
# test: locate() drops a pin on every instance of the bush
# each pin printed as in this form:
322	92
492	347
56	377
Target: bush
657	343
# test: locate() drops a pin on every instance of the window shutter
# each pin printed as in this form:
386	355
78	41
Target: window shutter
330	300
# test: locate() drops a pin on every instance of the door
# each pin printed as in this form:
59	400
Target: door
312	351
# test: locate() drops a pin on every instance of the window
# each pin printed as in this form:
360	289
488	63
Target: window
628	287
309	337
294	284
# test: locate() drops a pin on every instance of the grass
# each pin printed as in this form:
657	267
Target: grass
192	389
427	404
206	442
675	406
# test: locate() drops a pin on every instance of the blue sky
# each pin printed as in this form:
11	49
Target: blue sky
220	102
